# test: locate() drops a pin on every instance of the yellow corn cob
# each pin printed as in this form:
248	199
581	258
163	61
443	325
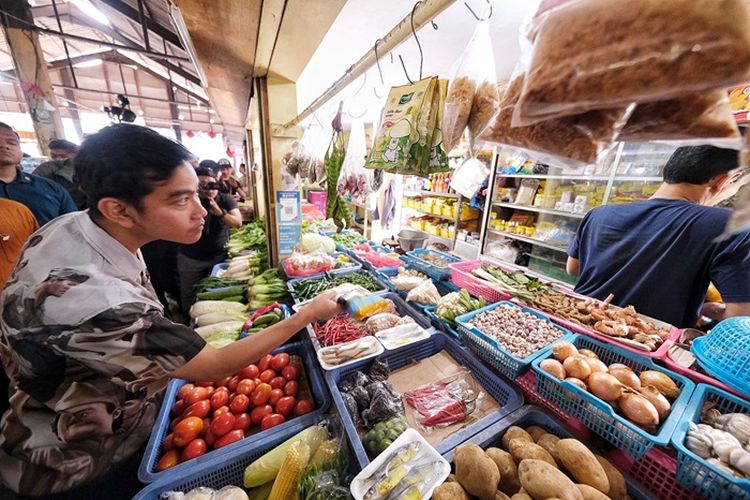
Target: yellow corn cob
285	485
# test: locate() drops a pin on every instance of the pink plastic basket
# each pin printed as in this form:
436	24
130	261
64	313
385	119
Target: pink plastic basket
461	276
656	470
694	374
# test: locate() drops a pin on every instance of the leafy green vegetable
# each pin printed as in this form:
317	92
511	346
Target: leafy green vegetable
336	209
309	288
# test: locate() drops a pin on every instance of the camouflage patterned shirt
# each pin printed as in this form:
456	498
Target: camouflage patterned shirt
87	348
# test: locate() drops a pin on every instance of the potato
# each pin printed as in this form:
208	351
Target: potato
521	495
476	471
549	443
499	495
581	463
450	491
618	488
515	432
509	482
535	432
542	481
521	450
590	493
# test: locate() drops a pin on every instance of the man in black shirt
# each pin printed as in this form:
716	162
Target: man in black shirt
195	261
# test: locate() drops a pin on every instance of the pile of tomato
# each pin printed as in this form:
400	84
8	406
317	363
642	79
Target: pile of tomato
210	415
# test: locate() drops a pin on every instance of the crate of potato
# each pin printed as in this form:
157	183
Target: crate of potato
626	399
531	450
509	337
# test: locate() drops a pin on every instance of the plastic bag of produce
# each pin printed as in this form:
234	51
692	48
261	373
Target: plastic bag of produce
381	321
426	294
469	177
694	119
572	141
437	161
306	155
300	265
595	54
445	402
355	181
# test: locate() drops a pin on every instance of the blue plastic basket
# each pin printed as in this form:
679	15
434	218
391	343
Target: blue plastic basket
381	249
507	396
437	273
403	308
292	284
490	350
725	352
598	415
357	265
385	274
443	325
694	472
219	470
532	415
219	267
318	388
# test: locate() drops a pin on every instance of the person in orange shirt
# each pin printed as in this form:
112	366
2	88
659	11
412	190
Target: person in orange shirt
16	225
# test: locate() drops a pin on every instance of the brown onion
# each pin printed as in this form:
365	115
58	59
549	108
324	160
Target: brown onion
617	366
577	382
626	376
576	367
563	350
596	365
553	367
588	353
639	410
604	386
661	382
657	399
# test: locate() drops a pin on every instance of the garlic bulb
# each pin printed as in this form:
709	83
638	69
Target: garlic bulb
737	424
740	460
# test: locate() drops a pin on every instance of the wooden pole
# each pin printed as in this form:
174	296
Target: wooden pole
32	72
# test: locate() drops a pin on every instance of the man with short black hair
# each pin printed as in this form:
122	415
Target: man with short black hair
45	198
659	255
83	337
60	150
62	170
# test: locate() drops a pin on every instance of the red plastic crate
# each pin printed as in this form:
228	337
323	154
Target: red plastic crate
656	470
461	276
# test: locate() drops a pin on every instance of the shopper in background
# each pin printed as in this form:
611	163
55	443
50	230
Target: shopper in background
659	255
60	150
211	165
229	184
62	170
45	198
84	339
195	261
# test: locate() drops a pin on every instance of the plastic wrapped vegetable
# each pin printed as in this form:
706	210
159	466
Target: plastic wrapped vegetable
383	434
299	265
379	371
426	294
354	180
381	321
407	279
356	379
313	242
384	404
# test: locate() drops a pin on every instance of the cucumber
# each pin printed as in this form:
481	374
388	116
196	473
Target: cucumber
221	293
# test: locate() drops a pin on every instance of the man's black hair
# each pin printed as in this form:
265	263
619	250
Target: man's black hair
8	127
63	144
125	161
211	165
203	171
699	164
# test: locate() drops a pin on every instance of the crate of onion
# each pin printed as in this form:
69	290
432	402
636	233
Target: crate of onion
280	395
625	398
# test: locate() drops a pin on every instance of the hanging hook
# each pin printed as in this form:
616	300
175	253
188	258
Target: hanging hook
380	71
489	3
364	82
419	45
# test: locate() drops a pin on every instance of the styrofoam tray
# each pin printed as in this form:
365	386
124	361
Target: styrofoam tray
427	454
394	344
375	343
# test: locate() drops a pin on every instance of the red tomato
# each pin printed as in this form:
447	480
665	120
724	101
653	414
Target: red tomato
265	362
267	375
239	404
222	424
175	421
271	421
276	394
206	423
290	372
198	409
219	398
221	409
277	382
242	422
169	459
232	385
209	438
256	416
210	391
229	438
285	405
168	443
204	383
261	394
187	429
196	394
195	448
178	408
291	388
280	361
223	382
303	406
184	390
249	372
246	386
257	381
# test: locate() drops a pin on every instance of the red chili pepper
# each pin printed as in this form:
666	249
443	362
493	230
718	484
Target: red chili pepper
337	330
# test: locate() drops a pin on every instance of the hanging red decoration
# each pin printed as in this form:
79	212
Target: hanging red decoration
211	133
229	152
190	133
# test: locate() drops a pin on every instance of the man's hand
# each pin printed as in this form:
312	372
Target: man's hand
714	310
214	208
322	308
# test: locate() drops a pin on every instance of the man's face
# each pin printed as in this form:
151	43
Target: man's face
172	211
205	183
86	421
226	173
58	286
60	154
10	148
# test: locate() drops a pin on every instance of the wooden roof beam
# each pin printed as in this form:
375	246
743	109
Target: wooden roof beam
132	14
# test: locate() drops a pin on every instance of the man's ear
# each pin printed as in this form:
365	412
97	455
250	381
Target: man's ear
719	182
117	211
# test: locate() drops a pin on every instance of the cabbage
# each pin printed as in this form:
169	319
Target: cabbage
312	242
